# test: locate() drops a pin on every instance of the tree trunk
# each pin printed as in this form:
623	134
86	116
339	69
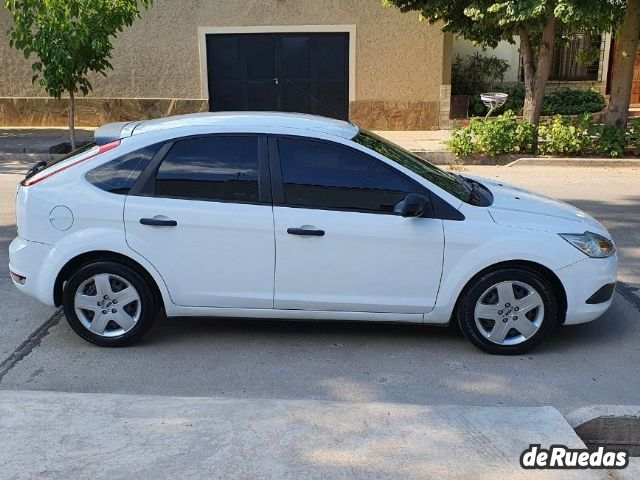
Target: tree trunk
623	63
72	119
536	76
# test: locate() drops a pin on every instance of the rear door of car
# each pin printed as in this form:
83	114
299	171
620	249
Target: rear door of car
202	215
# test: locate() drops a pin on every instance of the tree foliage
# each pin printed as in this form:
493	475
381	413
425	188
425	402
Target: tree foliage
535	22
488	22
68	39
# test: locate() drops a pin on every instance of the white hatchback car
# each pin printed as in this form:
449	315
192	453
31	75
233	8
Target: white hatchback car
274	215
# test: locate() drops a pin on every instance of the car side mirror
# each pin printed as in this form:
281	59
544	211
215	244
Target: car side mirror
413	205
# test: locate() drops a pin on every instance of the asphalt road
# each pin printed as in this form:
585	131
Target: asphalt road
595	363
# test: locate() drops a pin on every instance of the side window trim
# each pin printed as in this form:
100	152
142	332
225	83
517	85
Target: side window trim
146	184
277	183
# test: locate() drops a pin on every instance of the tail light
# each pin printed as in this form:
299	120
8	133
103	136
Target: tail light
65	165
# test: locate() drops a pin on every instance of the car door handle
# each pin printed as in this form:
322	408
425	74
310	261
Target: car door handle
305	231
158	222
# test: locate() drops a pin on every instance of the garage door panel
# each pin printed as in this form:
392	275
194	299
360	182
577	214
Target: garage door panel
224	58
227	95
294	72
260	57
332	97
330	57
296	98
295	58
261	95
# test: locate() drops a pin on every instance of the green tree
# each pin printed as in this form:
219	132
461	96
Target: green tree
69	39
535	22
624	58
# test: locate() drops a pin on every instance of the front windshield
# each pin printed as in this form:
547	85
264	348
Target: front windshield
447	181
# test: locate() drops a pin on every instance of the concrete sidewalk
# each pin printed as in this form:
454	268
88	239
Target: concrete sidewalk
93	436
37	140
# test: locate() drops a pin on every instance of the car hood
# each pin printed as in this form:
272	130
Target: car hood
518	207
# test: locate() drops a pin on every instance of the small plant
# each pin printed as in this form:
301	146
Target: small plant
526	136
611	142
561	102
476	74
572	102
565	136
502	135
632	138
496	137
461	143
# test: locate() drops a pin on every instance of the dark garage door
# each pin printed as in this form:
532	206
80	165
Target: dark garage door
296	72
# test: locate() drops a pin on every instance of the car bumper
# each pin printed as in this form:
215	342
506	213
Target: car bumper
26	261
582	281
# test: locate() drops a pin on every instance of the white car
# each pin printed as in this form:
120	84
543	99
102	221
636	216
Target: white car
274	215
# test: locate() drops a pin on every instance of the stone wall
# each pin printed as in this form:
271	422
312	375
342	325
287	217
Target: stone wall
91	112
373	115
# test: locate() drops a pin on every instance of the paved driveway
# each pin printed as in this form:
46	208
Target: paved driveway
594	363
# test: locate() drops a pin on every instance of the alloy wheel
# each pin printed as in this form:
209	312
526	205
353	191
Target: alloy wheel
509	313
107	305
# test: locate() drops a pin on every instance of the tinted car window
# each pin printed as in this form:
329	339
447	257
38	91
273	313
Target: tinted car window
223	168
119	175
323	175
447	181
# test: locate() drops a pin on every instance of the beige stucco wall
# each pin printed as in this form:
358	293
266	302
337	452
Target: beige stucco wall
399	59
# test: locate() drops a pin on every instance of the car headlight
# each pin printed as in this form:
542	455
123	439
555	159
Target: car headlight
592	244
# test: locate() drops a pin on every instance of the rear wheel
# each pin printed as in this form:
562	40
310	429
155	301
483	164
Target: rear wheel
508	311
109	304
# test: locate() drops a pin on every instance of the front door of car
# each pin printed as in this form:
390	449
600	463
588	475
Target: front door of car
205	221
339	244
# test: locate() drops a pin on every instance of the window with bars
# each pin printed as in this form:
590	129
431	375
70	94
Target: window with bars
576	57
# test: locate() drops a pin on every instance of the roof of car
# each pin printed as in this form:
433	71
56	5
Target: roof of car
245	119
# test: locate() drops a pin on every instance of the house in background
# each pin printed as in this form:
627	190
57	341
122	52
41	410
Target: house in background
352	59
566	70
349	59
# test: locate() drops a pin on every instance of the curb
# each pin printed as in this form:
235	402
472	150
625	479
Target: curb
575	162
447	158
613	426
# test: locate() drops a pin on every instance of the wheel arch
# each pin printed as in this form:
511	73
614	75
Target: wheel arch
102	256
538	268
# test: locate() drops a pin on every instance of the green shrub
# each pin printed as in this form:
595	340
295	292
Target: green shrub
498	136
572	102
561	102
495	137
566	136
632	139
461	143
610	142
557	136
526	135
476	73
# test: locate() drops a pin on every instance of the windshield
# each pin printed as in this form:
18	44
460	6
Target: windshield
449	182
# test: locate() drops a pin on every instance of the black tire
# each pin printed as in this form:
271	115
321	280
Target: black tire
471	295
148	303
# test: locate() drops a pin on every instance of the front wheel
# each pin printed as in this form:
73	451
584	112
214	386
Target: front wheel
109	304
508	311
